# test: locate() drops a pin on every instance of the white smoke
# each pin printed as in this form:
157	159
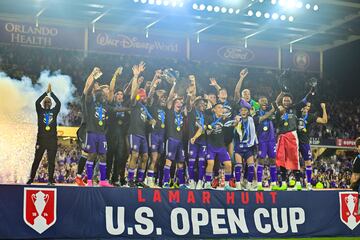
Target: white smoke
18	120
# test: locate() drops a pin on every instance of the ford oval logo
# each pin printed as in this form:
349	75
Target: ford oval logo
235	54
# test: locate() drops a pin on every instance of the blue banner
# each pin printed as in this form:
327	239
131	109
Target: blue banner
73	212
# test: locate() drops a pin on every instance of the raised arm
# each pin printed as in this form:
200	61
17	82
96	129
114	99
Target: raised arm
113	82
137	69
96	73
154	83
279	98
38	101
237	94
324	118
171	96
215	84
198	133
268	114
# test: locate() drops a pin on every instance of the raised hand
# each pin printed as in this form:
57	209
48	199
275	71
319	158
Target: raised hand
49	88
244	73
323	105
96	73
192	78
118	71
213	82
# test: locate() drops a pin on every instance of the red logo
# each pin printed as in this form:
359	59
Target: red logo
39	211
349	209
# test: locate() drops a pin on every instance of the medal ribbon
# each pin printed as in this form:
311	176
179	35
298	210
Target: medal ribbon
146	111
119	114
47	117
178	119
100	110
200	116
285	117
305	120
265	123
215	121
245	129
162	116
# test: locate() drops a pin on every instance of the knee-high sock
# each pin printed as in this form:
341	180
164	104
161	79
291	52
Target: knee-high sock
283	174
273	173
81	165
140	175
89	169
251	170
260	169
208	176
308	172
102	168
131	173
238	169
191	168
201	167
166	174
180	175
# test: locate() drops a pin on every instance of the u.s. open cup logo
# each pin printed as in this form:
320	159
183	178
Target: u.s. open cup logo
349	206
39	208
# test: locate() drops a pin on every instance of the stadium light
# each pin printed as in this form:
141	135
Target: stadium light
275	16
209	8
291	4
258	14
308	6
273	2
202	7
166	3
316	7
143	1
282	17
261	1
223	9
291	18
216	9
282	3
136	1
299	4
237	11
231	10
250	13
267	15
151	2
195	6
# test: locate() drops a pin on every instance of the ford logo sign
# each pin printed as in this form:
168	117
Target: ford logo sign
235	54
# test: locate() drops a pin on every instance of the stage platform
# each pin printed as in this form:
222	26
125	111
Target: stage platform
60	212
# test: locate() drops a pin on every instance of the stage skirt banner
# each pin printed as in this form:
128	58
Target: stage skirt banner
50	36
137	44
228	53
300	60
341	142
72	212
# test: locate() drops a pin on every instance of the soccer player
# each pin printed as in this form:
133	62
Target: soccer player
267	141
174	131
245	140
355	176
139	118
157	108
97	110
306	119
287	148
47	133
216	146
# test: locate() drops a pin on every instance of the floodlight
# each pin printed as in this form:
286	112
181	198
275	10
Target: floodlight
282	17
216	9
267	15
202	7
195	6
209	8
258	14
231	10
291	19
223	9
275	16
316	7
250	13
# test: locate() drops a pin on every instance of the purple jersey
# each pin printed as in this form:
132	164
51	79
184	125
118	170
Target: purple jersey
265	129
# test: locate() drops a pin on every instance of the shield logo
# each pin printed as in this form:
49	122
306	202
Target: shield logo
39	210
349	206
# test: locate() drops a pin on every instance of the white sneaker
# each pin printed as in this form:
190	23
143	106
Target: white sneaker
207	185
250	187
199	184
150	182
238	185
309	187
191	184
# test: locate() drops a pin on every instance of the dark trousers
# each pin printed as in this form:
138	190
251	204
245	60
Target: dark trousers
51	147
116	156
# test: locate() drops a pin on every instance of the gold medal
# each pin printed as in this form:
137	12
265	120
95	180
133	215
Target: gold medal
304	130
47	128
286	124
209	127
162	125
101	123
178	129
265	128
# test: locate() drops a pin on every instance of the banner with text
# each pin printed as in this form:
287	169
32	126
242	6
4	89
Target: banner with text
341	142
300	60
71	212
234	54
136	44
42	36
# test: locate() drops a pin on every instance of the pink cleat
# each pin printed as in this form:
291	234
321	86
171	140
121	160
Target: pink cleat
89	183
105	183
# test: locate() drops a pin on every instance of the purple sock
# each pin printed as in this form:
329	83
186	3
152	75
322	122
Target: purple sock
89	169
273	173
238	168
308	173
260	169
131	173
251	170
166	174
140	175
102	168
191	168
201	168
208	177
227	177
180	175
150	173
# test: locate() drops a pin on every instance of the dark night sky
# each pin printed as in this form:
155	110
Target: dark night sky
342	64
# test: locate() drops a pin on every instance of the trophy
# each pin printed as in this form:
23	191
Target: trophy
40	200
283	80
170	75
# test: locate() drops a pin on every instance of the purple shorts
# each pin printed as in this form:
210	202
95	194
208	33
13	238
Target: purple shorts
267	148
156	142
219	153
197	150
244	152
305	151
96	143
138	144
175	150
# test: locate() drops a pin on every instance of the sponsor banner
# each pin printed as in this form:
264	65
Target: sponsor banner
136	44
300	60
234	54
61	212
322	141
341	142
42	36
